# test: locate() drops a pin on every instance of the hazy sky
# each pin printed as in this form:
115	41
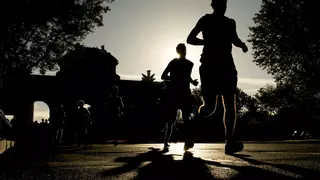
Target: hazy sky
143	34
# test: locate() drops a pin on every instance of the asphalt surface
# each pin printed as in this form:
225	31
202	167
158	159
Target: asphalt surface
149	161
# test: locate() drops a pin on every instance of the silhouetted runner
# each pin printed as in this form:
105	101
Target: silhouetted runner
83	120
178	95
116	107
57	124
218	72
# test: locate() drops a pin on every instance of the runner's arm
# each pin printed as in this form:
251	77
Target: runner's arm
121	106
192	38
165	73
235	38
121	103
88	112
193	81
88	117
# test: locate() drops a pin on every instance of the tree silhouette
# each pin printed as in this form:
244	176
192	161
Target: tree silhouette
149	77
286	42
246	104
295	108
197	97
35	34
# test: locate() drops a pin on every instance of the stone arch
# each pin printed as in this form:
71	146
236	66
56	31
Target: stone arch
41	110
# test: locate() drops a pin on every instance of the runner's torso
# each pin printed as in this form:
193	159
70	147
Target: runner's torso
83	117
180	71
115	104
217	34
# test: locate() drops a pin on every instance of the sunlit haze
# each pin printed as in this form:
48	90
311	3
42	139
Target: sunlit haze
143	34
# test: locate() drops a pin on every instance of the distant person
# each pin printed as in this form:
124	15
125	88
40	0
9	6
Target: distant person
218	73
83	120
58	123
61	123
116	108
178	94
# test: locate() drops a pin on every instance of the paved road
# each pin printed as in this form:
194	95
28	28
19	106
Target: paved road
149	161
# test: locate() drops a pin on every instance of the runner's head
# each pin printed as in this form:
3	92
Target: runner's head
181	50
219	6
115	90
80	103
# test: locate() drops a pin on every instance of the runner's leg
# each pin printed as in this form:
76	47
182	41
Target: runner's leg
187	124
209	91
229	104
229	116
168	134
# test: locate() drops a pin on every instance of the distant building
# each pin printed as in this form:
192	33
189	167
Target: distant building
88	72
85	73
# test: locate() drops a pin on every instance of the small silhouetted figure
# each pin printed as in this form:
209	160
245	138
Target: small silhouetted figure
83	120
57	124
178	94
116	108
218	73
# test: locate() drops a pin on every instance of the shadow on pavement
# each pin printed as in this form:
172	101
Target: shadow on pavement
161	166
304	172
135	162
31	163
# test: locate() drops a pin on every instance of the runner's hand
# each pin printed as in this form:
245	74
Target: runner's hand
195	82
244	48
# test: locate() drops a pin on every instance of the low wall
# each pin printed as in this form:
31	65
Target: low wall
5	145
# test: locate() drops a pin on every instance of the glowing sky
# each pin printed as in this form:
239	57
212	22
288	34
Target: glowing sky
143	34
